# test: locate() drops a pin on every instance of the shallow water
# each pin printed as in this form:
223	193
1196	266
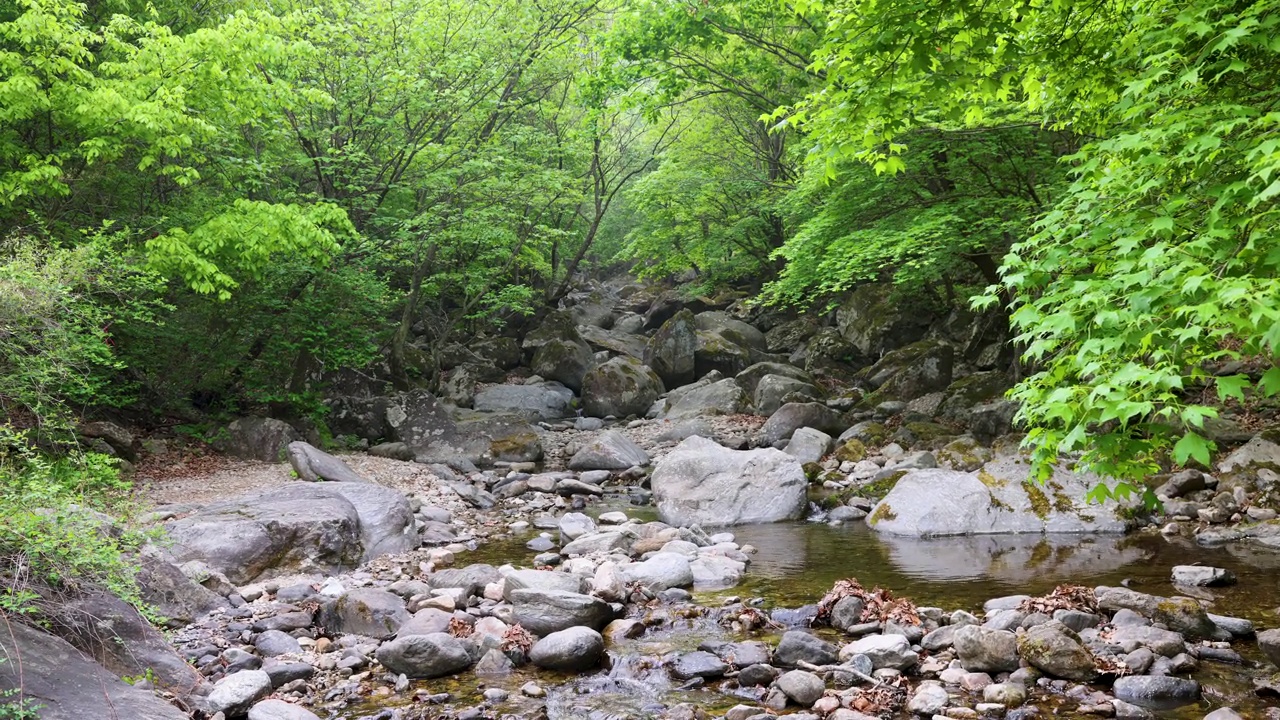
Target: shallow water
796	563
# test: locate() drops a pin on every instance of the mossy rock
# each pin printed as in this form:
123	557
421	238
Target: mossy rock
882	512
852	451
964	454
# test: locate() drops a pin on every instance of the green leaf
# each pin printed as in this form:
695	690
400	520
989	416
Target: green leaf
1194	447
1232	386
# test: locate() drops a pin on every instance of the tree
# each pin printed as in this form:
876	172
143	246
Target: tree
1155	264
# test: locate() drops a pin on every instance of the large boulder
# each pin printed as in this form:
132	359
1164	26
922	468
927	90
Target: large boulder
793	416
571	650
670	351
615	341
773	390
426	426
996	499
713	352
543	612
620	387
370	612
49	672
724	325
565	361
258	438
982	649
503	352
700	482
875	322
295	527
114	634
544	401
609	450
1058	651
179	599
661	571
120	441
915	370
722	397
424	656
313	464
750	378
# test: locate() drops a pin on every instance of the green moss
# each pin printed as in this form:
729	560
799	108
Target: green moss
852	451
883	512
990	480
1039	501
812	471
928	432
879	488
999	504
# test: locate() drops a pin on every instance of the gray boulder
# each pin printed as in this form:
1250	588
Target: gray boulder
700	482
661	571
913	371
69	686
997	499
1156	691
733	330
771	391
803	688
620	387
539	580
179	599
1202	576
1269	643
671	349
808	445
722	397
617	341
875	322
543	612
424	656
370	612
570	650
750	378
295	528
981	649
1058	651
609	450
885	651
565	361
120	441
258	438
273	709
793	416
546	401
235	693
313	464
797	646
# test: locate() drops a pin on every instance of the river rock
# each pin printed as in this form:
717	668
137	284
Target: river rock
772	389
808	445
661	571
366	611
981	649
575	525
539	580
714	572
258	438
609	450
929	698
996	499
424	656
601	542
620	387
1156	691
313	464
565	361
671	350
1202	576
1058	651
68	685
543	612
885	651
1162	642
1269	644
572	649
722	397
276	642
750	378
793	416
547	401
804	688
700	664
700	482
796	646
273	709
295	528
235	693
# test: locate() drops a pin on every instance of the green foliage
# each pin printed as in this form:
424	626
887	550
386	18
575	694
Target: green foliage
52	537
59	312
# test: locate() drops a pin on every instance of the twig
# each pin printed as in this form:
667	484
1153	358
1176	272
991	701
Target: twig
803	665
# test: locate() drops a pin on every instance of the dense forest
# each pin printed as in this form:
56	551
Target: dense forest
207	209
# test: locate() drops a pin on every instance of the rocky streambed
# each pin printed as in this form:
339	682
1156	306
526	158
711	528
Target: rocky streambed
560	594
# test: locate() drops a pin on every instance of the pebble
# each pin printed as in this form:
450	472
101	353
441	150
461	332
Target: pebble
533	690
